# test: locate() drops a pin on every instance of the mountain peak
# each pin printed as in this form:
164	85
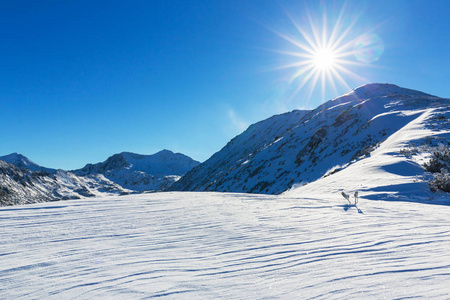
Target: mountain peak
373	90
14	155
165	151
129	157
142	172
23	162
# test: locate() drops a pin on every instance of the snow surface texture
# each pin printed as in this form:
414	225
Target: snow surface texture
227	246
301	147
142	172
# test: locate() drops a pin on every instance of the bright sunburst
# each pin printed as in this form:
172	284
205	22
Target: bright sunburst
326	53
324	59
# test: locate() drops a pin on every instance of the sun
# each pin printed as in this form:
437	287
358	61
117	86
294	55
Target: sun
324	59
325	50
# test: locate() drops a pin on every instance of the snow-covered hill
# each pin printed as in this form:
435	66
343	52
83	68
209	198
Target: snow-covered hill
224	246
301	147
142	172
22	186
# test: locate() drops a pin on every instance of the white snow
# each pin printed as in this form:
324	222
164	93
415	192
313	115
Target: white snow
386	174
229	246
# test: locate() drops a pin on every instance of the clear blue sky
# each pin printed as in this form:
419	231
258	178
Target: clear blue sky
82	80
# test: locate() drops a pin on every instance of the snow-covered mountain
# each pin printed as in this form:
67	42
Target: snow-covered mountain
142	172
23	162
300	147
400	168
23	186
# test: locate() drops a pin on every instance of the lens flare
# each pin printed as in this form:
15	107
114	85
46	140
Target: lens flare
368	48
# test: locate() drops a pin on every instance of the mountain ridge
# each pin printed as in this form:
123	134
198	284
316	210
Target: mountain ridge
142	172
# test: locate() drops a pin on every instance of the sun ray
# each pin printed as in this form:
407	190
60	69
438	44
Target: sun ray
313	84
316	35
345	33
292	65
349	63
350	73
293	42
341	80
305	81
322	75
331	80
300	73
336	26
344	54
297	54
303	33
347	45
324	31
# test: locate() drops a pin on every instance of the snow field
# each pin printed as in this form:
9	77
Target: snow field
233	246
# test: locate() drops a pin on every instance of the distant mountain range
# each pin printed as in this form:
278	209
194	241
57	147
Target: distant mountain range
329	147
23	181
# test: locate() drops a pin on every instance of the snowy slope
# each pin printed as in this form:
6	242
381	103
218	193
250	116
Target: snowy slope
224	246
22	186
142	172
300	147
388	173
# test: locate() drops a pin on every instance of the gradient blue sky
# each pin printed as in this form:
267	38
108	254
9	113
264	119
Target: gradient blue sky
82	80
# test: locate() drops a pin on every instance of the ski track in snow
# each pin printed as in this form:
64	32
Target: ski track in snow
231	246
